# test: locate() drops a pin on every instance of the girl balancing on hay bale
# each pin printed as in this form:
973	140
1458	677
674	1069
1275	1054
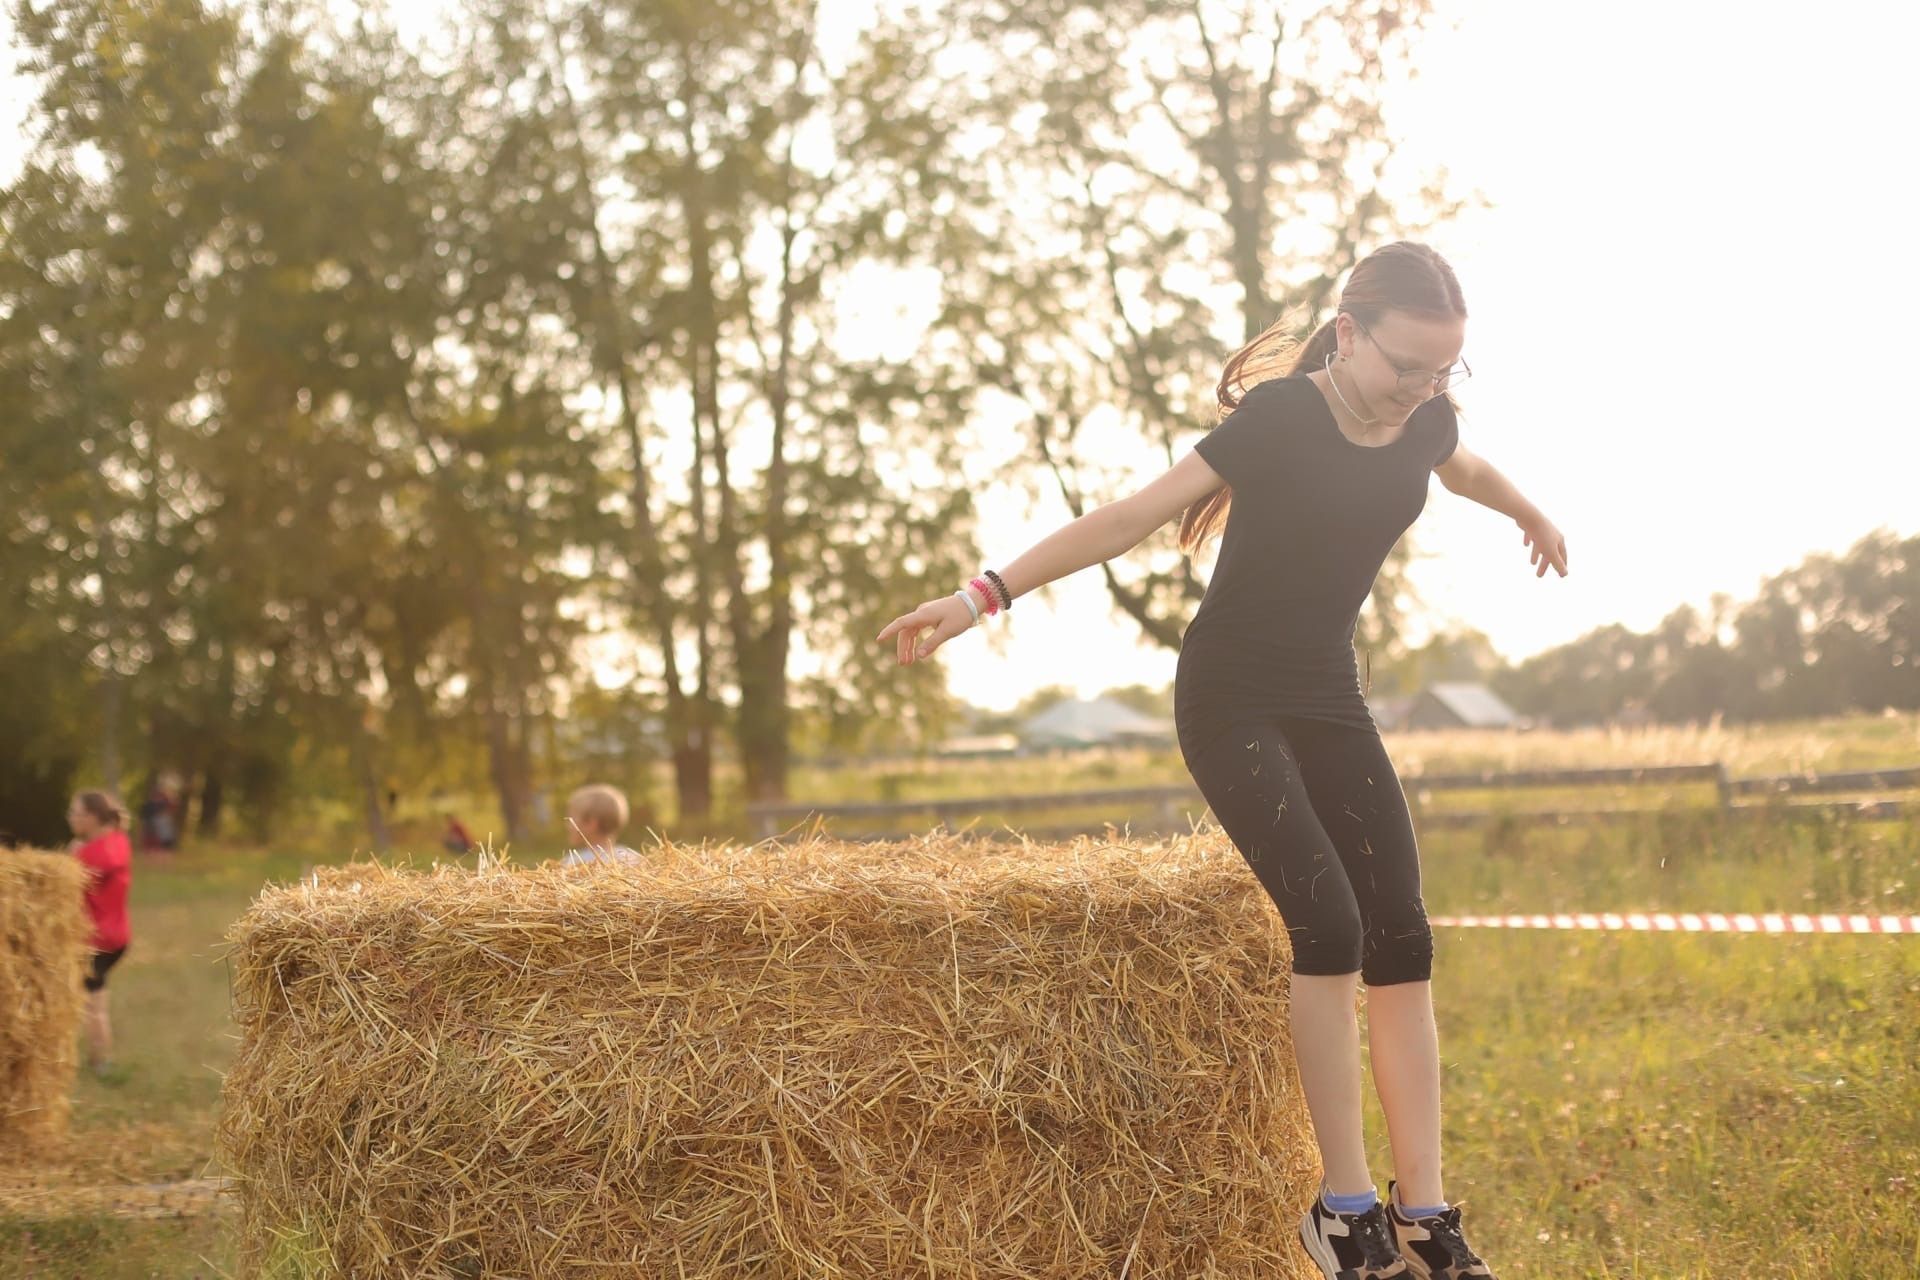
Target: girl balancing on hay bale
1329	461
100	842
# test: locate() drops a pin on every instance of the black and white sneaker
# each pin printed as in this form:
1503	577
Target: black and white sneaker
1434	1248
1351	1246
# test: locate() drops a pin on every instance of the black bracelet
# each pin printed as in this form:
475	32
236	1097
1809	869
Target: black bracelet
1006	596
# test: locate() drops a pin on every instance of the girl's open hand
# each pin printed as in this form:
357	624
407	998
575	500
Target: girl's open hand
1549	546
947	616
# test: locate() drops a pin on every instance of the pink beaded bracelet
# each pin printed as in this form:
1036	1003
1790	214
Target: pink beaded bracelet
988	594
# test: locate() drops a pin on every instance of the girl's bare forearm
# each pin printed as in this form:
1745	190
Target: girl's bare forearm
1095	537
1493	490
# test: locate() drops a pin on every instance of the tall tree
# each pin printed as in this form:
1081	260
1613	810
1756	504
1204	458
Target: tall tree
105	228
1137	190
1831	635
705	239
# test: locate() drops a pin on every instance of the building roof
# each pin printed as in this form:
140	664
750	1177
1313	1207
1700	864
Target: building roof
1092	720
1475	704
1391	712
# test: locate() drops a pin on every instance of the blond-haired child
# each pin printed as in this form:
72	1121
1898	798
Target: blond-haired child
595	816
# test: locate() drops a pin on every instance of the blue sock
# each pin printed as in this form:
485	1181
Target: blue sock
1358	1202
1408	1211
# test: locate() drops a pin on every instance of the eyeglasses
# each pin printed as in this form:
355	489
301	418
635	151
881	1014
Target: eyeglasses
1418	382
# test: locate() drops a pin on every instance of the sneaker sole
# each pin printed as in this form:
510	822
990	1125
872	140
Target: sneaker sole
1326	1262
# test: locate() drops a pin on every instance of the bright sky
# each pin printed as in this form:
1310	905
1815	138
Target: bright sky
1692	320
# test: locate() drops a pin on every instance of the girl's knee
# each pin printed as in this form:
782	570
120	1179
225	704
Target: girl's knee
1329	945
1398	948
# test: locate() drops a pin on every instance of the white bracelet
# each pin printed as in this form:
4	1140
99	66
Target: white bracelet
972	608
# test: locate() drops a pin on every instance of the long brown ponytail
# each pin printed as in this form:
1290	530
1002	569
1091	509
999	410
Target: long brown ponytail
1402	276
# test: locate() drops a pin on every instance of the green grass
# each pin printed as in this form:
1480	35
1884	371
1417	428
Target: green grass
1860	741
1616	1105
1661	1105
1830	745
112	1249
153	1122
1666	1105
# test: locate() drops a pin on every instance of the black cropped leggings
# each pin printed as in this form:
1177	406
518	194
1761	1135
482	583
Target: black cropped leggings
1317	811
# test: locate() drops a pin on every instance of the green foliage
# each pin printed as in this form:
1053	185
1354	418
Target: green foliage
46	724
1830	635
370	405
1136	189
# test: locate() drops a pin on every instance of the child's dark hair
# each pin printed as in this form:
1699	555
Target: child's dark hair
102	806
1402	276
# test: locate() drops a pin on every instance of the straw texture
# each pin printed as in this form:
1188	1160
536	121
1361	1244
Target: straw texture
814	1060
43	952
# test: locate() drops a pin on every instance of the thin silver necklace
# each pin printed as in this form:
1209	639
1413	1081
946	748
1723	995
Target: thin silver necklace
1365	422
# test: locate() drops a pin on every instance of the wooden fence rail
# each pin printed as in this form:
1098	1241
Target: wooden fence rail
1170	808
1828	783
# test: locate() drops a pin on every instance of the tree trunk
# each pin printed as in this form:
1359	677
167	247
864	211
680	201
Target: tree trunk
693	770
766	722
212	798
509	767
764	753
112	700
689	739
369	779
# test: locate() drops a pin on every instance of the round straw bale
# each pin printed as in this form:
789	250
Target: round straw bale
812	1060
43	952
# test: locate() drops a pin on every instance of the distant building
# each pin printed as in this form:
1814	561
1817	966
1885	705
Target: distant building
1391	713
1093	722
978	746
1454	706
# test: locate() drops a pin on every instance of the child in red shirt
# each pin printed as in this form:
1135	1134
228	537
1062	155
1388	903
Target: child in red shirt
456	838
100	842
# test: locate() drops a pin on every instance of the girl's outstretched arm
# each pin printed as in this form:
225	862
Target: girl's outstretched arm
1094	538
1471	476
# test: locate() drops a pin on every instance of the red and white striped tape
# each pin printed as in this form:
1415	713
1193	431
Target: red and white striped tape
1663	922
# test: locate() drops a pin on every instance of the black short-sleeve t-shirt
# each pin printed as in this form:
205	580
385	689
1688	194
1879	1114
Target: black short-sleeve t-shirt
1314	516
